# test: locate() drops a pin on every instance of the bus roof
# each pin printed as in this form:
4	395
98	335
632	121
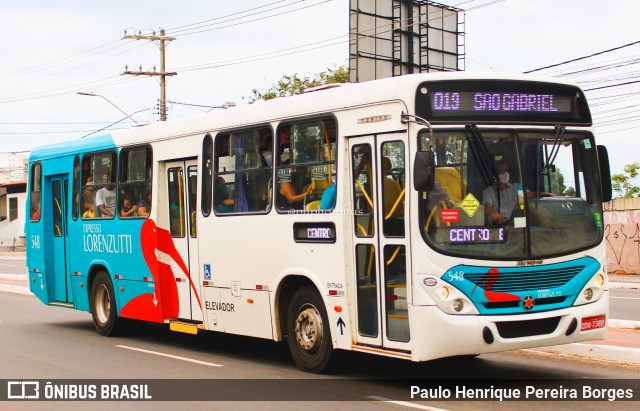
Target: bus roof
71	147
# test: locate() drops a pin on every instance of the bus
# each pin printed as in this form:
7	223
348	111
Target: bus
415	217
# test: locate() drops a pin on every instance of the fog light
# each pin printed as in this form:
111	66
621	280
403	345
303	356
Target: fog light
430	282
443	293
600	280
588	294
458	305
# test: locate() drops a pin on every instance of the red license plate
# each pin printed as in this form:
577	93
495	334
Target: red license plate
593	323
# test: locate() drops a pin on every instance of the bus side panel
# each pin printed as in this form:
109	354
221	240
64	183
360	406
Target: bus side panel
247	312
80	289
132	271
35	260
152	294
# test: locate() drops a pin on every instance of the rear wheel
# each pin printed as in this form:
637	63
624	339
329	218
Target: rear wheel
103	307
308	332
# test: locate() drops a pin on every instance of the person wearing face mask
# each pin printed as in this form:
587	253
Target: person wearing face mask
499	202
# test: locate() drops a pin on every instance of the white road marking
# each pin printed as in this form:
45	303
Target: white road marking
405	404
625	298
175	357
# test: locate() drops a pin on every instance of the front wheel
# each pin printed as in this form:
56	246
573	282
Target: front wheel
103	307
308	332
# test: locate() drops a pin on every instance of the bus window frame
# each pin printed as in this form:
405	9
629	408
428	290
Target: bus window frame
216	165
97	186
277	153
76	188
146	182
206	200
32	190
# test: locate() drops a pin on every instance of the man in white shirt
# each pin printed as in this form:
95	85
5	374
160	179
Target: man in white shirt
106	200
499	209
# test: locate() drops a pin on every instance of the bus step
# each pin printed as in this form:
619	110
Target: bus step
61	304
183	327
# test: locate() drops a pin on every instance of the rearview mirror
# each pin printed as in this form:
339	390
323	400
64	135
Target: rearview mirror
423	171
605	174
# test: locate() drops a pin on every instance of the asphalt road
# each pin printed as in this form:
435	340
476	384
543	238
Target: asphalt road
50	343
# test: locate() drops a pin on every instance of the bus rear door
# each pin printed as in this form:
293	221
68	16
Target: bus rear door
58	278
378	195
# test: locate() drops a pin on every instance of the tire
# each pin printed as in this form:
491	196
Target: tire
308	331
103	307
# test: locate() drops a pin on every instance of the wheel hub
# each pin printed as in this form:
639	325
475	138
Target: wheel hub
309	330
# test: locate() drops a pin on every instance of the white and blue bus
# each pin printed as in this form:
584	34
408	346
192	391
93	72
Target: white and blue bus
416	217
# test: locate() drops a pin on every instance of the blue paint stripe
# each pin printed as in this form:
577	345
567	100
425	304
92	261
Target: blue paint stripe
78	146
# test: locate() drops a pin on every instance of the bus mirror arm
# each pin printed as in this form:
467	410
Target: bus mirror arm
424	164
605	174
424	170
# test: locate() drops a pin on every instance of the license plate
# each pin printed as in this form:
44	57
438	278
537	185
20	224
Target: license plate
593	323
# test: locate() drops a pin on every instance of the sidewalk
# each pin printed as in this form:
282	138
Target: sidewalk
622	344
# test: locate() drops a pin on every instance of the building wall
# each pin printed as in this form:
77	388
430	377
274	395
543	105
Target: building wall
622	235
13	167
12	232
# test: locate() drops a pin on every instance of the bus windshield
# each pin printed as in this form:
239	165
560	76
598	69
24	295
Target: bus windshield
511	193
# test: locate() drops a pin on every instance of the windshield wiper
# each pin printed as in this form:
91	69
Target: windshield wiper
557	142
481	154
549	159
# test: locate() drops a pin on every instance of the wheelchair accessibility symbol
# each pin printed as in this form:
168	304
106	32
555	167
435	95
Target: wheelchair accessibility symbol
207	271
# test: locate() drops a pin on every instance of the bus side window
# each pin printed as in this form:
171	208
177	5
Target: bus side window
135	182
242	180
98	185
35	192
393	188
306	167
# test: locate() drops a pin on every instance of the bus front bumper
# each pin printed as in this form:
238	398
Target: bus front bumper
436	334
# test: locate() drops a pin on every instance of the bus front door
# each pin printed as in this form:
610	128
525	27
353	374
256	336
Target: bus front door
180	211
378	195
58	278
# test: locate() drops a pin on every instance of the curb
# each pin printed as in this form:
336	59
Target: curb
623	324
608	353
625	286
15	289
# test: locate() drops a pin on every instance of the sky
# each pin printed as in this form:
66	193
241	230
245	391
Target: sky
53	49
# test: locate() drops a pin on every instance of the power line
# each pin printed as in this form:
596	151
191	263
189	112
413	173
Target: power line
612	85
583	57
228	15
186	31
57	61
69	89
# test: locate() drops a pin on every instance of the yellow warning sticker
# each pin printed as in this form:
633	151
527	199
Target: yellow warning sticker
470	204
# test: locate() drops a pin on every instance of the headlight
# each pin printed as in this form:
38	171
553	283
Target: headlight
588	294
599	280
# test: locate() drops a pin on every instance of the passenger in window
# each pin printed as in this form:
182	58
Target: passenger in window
267	152
144	205
224	204
106	199
288	197
128	209
89	210
88	192
501	198
35	213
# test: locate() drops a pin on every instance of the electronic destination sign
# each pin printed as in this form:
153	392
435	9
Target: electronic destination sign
501	101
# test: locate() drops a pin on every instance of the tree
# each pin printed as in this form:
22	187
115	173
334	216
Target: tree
622	183
289	85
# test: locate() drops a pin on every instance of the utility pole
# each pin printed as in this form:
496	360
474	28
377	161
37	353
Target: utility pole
162	73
